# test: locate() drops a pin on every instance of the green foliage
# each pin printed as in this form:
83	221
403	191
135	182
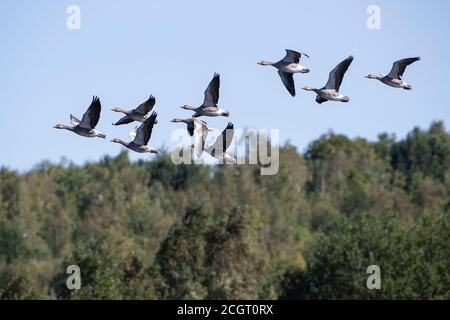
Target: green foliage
205	260
414	260
153	229
108	271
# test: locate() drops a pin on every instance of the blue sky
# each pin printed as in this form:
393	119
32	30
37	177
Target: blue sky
126	50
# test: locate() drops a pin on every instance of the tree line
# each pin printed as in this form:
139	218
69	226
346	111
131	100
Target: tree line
155	230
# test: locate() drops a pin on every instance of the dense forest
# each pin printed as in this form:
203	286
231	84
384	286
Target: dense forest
155	230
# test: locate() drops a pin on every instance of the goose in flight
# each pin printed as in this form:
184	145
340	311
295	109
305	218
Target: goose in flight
197	129
140	113
209	108
86	127
287	66
394	78
219	149
141	136
331	90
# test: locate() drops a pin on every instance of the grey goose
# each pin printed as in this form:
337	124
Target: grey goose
394	78
140	113
141	136
86	127
330	92
210	107
287	66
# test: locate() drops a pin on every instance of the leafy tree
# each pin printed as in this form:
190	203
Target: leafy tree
201	259
413	260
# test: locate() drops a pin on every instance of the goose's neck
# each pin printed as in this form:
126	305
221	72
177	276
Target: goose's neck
63	126
375	77
121	142
266	63
307	88
188	107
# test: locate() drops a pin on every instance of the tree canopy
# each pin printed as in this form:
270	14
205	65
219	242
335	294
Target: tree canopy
156	230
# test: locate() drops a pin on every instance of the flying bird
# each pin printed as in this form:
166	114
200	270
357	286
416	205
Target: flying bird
140	113
219	149
394	78
86	127
287	66
141	136
199	130
209	108
331	90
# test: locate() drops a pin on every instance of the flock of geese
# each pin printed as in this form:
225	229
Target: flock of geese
198	129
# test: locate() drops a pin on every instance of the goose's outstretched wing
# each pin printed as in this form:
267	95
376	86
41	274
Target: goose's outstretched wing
337	74
293	56
223	142
123	120
212	92
92	114
399	67
288	81
146	106
144	132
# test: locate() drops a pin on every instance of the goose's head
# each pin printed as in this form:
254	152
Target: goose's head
59	126
177	120
345	99
225	113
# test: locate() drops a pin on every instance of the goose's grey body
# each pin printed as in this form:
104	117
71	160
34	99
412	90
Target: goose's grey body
141	136
86	127
210	107
394	78
140	113
330	92
287	66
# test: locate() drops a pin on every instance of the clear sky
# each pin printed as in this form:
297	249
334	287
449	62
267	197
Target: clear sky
127	50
